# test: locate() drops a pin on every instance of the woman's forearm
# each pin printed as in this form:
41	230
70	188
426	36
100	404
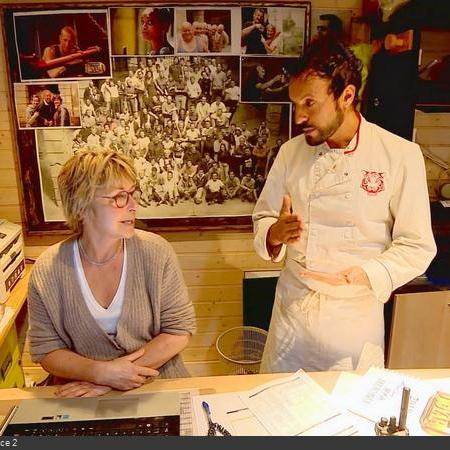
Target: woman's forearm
67	364
162	348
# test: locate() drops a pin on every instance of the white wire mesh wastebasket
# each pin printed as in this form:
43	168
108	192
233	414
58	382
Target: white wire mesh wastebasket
242	348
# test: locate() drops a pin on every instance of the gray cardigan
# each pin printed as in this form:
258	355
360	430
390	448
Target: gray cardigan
156	301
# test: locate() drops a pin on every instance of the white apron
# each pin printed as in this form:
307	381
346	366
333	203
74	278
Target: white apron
323	327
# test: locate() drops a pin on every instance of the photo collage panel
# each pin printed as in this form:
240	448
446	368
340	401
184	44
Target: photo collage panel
196	96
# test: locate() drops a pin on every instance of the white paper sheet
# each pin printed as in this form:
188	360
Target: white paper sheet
229	411
295	405
343	390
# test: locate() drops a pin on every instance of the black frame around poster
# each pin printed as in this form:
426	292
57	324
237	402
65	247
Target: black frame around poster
240	135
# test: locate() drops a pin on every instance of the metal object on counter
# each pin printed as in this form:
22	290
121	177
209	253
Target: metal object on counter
390	428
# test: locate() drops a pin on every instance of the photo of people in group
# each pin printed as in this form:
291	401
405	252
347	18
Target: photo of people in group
183	91
142	31
196	149
274	31
47	105
207	30
63	45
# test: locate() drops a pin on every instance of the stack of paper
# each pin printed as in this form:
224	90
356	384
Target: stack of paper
286	407
379	392
297	405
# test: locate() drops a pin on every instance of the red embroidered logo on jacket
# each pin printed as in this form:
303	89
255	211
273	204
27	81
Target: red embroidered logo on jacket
372	182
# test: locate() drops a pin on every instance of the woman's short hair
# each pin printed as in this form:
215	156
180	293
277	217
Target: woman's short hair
164	15
83	174
333	60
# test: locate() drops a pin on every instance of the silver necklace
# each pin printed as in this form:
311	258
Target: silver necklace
96	263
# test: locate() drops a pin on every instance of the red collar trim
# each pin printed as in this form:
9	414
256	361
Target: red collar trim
357	136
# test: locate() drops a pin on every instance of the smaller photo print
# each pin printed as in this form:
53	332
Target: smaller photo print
331	22
264	81
207	31
142	31
274	31
53	149
62	44
47	105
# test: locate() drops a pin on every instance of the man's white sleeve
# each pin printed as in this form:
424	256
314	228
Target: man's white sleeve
267	209
413	246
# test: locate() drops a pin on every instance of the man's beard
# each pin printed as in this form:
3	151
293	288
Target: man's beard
325	133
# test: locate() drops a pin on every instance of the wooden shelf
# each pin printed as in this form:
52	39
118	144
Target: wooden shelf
16	301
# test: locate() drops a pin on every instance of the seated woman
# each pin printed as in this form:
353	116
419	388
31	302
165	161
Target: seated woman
108	307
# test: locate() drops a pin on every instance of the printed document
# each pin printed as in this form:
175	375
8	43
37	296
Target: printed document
296	405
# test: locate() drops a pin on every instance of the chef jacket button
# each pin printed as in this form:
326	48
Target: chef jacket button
348	195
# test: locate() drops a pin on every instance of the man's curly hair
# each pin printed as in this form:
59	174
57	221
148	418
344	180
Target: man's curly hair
333	60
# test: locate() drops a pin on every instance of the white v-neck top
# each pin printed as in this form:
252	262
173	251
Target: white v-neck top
107	318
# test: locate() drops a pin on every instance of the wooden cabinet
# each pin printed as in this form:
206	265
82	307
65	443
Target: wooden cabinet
420	331
12	332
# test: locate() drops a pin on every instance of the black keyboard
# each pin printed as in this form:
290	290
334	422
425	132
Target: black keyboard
141	426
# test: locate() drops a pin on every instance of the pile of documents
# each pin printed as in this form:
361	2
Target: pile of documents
297	405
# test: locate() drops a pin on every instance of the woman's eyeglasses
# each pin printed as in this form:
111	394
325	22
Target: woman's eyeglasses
121	199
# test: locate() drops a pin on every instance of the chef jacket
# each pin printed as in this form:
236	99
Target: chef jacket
366	205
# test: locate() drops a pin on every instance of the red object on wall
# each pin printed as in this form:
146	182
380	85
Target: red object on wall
370	7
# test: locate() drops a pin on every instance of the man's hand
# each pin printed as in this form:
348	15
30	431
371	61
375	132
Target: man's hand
350	276
287	229
81	389
123	374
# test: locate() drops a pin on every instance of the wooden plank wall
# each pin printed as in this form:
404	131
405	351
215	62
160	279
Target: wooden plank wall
213	263
433	129
433	135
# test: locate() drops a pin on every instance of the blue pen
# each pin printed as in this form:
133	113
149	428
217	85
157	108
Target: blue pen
213	427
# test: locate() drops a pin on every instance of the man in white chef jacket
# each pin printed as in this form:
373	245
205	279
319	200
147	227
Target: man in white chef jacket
346	203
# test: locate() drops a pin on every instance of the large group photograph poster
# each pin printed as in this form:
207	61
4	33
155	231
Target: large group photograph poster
196	96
